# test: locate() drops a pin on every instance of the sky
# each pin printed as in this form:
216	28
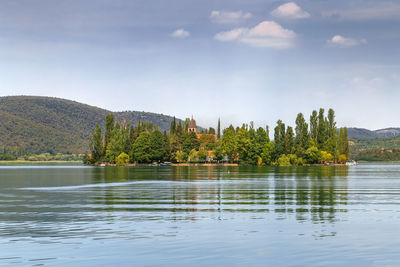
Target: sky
238	60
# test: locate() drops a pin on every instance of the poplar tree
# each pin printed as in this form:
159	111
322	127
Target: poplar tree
344	143
244	146
314	126
322	133
229	144
279	139
302	140
109	128
219	129
116	145
261	139
331	123
332	142
289	141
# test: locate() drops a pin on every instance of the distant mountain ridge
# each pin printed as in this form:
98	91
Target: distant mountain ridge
46	124
360	133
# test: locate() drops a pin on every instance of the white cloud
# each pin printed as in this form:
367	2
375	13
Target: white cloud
340	41
268	34
180	33
290	11
229	17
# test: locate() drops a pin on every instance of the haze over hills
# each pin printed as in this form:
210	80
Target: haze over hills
46	124
359	133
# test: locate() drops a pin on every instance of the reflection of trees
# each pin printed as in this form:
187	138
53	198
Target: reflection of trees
316	194
311	193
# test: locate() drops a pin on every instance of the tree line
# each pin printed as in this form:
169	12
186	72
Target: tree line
314	142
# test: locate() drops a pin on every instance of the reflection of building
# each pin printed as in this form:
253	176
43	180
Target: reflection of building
192	126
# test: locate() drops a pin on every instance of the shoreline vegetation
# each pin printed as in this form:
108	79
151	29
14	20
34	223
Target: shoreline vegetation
318	142
44	157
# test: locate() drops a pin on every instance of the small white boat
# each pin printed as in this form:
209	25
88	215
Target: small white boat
351	163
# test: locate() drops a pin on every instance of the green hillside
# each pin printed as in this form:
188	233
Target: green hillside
378	149
32	124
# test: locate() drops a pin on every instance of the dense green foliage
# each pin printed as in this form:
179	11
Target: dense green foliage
7	157
35	125
382	149
245	145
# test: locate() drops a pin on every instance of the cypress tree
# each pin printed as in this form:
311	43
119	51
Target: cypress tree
167	147
179	130
172	129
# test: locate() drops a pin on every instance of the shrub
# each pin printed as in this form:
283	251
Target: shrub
122	159
284	160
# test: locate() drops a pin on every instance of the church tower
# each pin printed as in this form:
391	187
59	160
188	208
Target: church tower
192	126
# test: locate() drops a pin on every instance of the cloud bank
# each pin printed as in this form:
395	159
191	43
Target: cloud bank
267	34
229	17
290	11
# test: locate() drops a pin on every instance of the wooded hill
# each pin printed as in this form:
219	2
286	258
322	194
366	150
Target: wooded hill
360	133
377	149
33	124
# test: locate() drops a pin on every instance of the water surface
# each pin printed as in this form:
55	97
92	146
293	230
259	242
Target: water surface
199	216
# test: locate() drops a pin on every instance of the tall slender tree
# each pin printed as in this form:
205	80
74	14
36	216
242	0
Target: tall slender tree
279	139
109	128
96	145
314	126
289	141
302	140
343	143
331	123
229	143
219	129
322	135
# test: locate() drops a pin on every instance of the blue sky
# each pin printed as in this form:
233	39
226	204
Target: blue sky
240	60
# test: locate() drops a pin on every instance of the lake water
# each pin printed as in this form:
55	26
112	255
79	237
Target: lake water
200	216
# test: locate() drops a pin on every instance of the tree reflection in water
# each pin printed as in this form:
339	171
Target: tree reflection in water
313	193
